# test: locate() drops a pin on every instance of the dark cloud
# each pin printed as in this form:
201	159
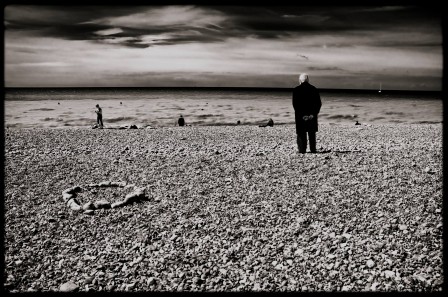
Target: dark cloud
276	21
270	22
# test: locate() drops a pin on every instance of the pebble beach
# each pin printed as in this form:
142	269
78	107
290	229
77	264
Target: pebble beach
223	208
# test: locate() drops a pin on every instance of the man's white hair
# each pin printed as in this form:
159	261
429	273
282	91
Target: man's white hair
303	78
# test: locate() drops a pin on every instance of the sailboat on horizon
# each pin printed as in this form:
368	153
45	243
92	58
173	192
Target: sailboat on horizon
379	89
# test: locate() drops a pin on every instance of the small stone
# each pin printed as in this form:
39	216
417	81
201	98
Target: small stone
131	198
346	235
374	286
89	212
256	287
69	287
138	260
104	184
88	280
102	204
402	227
117	204
370	263
298	252
88	205
67	196
72	201
73	205
389	274
420	277
151	281
130	286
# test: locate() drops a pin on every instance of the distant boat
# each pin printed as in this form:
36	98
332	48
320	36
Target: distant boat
380	89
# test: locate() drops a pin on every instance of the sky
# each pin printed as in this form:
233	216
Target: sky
399	47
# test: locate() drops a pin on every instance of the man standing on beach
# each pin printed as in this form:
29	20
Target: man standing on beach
306	102
99	116
181	121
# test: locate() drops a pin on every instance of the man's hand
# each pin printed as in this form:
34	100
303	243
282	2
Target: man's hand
308	117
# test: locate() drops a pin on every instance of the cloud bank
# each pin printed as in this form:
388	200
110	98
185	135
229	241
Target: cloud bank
255	44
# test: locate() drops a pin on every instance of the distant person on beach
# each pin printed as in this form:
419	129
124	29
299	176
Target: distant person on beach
181	121
270	123
99	116
306	102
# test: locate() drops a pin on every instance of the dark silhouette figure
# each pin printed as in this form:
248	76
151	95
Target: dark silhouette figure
270	123
121	102
306	102
357	123
238	122
181	121
99	116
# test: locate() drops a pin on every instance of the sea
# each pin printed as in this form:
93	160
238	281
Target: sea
161	107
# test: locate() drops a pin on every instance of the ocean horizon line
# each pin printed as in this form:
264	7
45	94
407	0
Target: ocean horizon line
250	89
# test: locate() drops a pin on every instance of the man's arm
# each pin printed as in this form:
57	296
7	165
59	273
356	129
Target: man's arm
319	103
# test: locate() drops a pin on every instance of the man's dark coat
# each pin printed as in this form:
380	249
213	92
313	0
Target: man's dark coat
306	101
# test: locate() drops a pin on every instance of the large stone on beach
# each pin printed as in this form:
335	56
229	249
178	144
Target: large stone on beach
136	195
69	287
118	204
73	204
101	204
131	199
88	205
75	207
118	184
370	263
104	184
67	196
